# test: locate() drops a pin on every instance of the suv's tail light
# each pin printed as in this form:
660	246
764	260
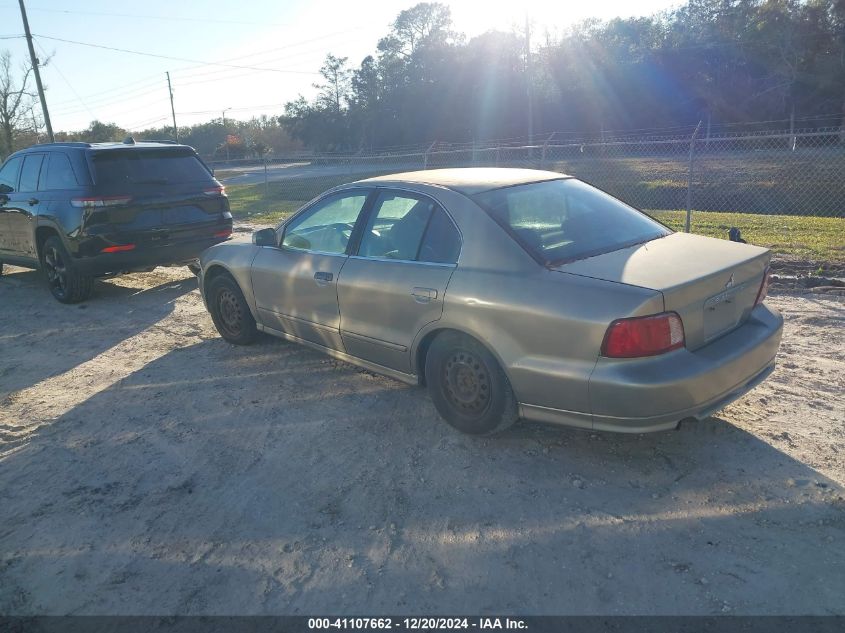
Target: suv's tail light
764	287
220	190
101	201
643	336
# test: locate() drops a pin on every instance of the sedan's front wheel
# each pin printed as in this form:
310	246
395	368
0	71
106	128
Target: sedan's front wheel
468	387
229	311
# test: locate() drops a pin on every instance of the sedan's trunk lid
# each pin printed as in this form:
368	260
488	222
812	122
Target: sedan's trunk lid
712	284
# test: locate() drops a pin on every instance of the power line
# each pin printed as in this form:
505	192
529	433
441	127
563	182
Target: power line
178	59
168	18
58	70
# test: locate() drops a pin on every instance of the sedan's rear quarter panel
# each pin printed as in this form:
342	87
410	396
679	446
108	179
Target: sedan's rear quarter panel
544	327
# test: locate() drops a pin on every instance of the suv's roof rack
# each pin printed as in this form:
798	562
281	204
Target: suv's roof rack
65	144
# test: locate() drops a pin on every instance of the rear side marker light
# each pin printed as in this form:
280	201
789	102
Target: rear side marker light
215	191
643	336
225	233
118	249
764	287
107	201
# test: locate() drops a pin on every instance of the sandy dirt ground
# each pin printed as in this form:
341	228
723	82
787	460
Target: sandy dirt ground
148	467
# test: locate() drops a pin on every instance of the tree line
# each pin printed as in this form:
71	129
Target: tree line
718	61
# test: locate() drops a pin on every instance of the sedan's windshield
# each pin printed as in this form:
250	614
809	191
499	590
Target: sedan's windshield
563	220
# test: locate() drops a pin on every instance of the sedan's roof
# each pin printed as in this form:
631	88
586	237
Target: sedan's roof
471	180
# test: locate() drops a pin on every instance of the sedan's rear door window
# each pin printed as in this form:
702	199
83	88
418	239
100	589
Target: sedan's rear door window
442	242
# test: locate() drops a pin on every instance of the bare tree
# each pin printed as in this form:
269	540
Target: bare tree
15	102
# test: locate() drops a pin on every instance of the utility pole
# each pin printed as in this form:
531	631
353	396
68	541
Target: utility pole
529	80
225	133
34	61
172	109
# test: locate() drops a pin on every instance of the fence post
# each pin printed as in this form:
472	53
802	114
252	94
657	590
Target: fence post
425	156
266	183
689	178
545	148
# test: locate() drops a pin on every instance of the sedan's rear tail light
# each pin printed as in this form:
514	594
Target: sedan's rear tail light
101	201
764	287
643	336
215	191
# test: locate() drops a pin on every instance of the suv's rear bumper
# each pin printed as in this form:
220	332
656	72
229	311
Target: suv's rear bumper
145	257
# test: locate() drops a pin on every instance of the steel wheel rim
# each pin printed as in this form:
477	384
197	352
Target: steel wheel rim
467	383
56	269
229	309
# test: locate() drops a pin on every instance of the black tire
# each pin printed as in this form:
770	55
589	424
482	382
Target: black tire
468	387
229	311
194	268
66	283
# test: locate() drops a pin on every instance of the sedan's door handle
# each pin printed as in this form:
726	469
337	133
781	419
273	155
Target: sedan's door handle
323	278
32	201
423	295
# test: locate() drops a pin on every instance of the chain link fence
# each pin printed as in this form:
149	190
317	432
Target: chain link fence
783	189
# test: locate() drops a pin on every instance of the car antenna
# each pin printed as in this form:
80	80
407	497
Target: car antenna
129	140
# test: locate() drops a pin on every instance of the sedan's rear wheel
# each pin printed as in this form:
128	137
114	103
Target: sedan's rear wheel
468	387
230	312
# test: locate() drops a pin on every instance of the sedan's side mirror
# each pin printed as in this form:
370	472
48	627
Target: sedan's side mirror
264	237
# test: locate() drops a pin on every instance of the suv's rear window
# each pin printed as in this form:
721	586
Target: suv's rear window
148	167
562	220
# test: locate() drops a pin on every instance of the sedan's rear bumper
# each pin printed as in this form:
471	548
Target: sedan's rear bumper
655	394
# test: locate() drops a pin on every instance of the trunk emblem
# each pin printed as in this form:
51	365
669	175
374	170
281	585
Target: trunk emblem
730	282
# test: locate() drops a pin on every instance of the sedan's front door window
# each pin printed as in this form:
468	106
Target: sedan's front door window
327	226
396	226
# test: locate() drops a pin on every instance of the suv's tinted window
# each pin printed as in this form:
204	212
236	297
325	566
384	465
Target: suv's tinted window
442	242
58	173
327	226
9	175
30	171
148	167
396	226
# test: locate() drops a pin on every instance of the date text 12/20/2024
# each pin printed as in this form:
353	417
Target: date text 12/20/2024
417	623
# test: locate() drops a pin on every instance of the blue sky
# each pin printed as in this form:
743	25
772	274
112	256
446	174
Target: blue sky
290	38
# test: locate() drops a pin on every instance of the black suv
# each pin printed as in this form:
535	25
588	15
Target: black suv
85	210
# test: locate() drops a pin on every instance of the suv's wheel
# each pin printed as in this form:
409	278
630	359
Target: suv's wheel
229	311
67	284
469	388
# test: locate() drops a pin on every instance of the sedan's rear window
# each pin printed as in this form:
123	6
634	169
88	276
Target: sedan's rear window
148	167
563	220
